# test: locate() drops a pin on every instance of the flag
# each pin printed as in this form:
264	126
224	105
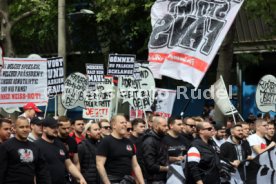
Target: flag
186	36
261	170
219	94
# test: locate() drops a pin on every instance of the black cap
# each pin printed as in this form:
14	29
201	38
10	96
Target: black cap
219	126
50	122
36	121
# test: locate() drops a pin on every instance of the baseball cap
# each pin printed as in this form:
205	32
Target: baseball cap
36	121
50	122
31	105
219	126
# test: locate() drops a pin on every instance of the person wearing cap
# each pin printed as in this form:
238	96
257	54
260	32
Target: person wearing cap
21	161
56	154
218	138
36	129
30	110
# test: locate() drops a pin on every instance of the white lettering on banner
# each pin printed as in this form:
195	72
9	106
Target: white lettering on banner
187	35
95	74
139	93
121	64
266	94
23	80
55	76
73	95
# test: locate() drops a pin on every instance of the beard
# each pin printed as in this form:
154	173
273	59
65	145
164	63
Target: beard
239	138
161	133
51	137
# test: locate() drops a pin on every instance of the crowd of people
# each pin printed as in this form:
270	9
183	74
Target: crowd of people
59	150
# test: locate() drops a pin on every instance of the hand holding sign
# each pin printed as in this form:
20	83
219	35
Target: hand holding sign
75	85
266	94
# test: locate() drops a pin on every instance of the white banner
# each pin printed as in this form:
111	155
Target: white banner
187	35
23	80
74	87
266	94
98	102
164	102
219	93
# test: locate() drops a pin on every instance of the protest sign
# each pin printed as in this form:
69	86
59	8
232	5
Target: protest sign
73	95
266	94
164	102
95	73
135	113
136	72
186	35
55	76
98	102
23	80
1	59
120	64
139	93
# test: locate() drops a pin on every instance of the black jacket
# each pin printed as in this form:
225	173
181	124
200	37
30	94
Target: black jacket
207	169
87	157
155	154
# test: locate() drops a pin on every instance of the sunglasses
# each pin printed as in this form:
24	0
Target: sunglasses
192	126
129	129
209	129
106	127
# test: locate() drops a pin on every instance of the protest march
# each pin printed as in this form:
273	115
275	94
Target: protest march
130	120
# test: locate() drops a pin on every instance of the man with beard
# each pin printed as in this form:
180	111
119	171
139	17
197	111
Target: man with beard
235	150
177	144
189	129
69	142
56	154
21	161
116	156
218	138
87	153
155	152
36	129
5	130
203	163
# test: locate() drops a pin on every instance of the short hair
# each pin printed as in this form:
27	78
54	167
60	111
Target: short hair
88	126
236	125
136	121
199	126
271	123
63	119
101	121
114	118
77	119
198	119
259	122
172	121
4	120
21	118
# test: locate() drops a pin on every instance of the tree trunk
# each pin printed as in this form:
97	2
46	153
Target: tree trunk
225	65
6	29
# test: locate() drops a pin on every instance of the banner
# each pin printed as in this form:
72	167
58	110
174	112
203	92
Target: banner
95	73
266	94
73	95
164	102
55	76
219	93
120	64
98	102
261	170
1	59
23	80
135	113
139	93
186	35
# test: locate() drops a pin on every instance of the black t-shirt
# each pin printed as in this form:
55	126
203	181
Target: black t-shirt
70	145
176	146
20	162
55	155
118	153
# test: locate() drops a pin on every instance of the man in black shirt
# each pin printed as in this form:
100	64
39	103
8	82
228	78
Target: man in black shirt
56	154
116	156
177	144
189	129
87	153
21	161
69	142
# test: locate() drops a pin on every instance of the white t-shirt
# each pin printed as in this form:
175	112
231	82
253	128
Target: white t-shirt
256	140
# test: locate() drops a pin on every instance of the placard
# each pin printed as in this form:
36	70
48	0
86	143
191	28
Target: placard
95	73
55	76
121	64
